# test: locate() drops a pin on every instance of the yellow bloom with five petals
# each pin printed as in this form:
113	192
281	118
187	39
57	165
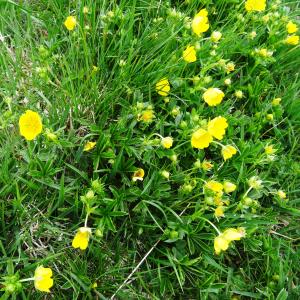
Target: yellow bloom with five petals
167	142
30	125
213	96
43	280
217	126
292	40
291	27
201	139
189	54
200	22
228	151
163	87
255	5
70	23
81	238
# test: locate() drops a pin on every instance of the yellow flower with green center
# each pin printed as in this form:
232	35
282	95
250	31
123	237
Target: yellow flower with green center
81	238
201	139
292	40
255	5
217	126
89	146
269	149
291	27
213	96
189	54
146	116
214	186
167	142
138	175
163	87
228	151
30	125
70	23
43	279
200	22
229	187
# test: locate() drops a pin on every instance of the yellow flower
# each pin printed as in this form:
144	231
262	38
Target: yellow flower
206	165
138	175
216	36
30	125
291	27
223	240
70	23
89	146
232	234
255	5
216	127
147	115
163	87
270	117
219	212
229	187
228	151
189	54
213	96
167	142
269	150
230	67
281	194
276	101
42	279
214	186
201	139
220	244
200	22
292	40
81	238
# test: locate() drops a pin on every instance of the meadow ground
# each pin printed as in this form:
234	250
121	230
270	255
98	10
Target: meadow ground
149	149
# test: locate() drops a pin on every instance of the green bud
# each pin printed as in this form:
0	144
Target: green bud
173	234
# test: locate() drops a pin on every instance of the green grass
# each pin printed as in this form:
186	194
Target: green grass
156	224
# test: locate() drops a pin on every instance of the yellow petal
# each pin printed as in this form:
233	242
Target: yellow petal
81	238
213	96
220	244
30	125
163	87
217	126
201	139
189	54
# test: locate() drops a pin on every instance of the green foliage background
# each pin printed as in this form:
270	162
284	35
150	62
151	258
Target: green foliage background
45	68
